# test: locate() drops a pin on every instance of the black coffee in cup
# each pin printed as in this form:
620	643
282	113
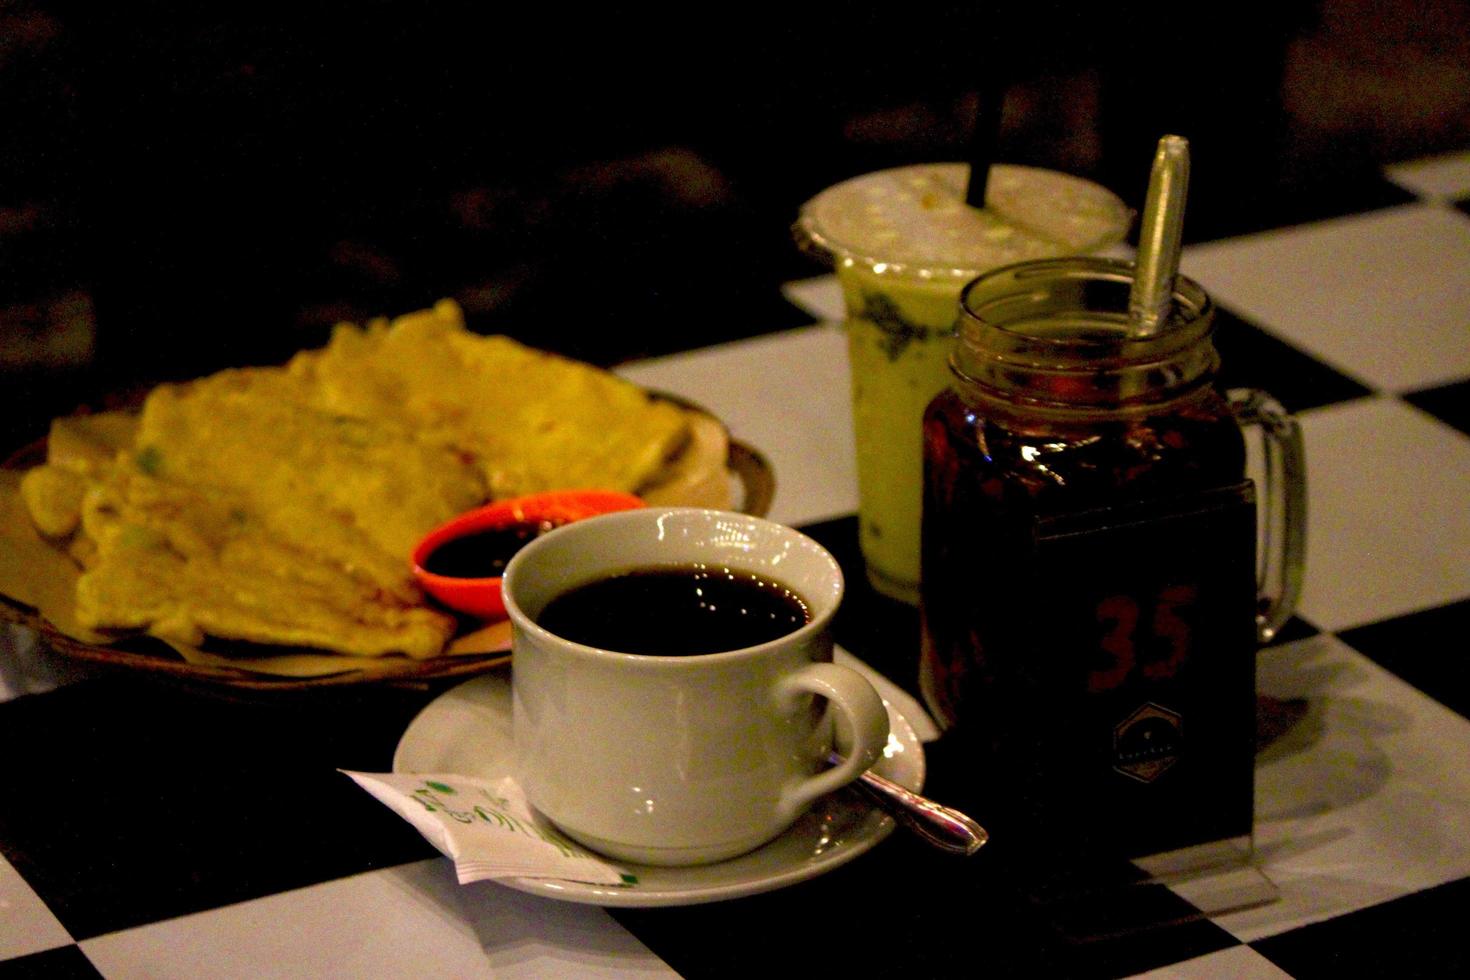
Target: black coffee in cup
677	610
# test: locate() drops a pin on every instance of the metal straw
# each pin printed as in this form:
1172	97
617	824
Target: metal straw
1159	236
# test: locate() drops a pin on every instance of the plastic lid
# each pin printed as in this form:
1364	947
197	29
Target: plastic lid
914	220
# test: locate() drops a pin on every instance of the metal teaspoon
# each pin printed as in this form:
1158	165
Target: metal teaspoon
942	826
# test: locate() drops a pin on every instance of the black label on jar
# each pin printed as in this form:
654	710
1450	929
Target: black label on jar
1146	614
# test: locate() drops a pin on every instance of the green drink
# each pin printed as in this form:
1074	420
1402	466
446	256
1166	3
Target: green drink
904	242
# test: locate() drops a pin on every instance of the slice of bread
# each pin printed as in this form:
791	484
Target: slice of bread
696	476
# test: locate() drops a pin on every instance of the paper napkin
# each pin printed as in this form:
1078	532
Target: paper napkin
487	828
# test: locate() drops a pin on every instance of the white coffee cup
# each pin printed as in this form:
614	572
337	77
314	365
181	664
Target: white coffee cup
678	760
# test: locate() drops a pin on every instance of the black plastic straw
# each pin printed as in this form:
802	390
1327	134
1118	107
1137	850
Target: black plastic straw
985	137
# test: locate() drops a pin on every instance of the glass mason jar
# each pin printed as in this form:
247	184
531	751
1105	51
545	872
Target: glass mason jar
1090	591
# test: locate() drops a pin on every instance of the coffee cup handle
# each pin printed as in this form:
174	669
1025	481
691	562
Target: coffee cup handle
854	697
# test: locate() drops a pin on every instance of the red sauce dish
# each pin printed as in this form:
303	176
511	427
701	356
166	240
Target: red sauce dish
459	563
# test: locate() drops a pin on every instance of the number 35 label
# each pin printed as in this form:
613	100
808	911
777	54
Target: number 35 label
1147	597
1152	636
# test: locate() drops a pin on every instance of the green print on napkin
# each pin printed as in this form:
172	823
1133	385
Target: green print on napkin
429	798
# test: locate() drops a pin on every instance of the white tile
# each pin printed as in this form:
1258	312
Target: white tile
786	394
1365	798
1237	963
1442	177
1381	296
821	297
1388	526
408	921
26	924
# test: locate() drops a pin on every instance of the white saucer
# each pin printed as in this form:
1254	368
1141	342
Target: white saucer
466	730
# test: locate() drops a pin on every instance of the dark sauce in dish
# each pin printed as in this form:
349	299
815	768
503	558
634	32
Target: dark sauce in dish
484	554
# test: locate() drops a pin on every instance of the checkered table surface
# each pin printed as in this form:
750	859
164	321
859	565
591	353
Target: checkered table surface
154	830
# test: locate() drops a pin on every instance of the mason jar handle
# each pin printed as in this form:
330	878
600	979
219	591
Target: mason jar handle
1282	562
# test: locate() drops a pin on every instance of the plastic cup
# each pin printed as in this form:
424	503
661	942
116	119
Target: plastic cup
903	243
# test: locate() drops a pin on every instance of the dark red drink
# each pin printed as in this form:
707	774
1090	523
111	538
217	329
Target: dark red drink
1089	580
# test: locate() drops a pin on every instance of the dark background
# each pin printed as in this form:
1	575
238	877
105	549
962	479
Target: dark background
184	189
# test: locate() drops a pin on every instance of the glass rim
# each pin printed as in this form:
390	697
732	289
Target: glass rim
1191	316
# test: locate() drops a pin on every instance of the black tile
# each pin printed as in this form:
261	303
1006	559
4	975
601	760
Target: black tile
1292	630
135	802
1252	358
1449	403
1420	935
1424	648
63	963
971	916
801	318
